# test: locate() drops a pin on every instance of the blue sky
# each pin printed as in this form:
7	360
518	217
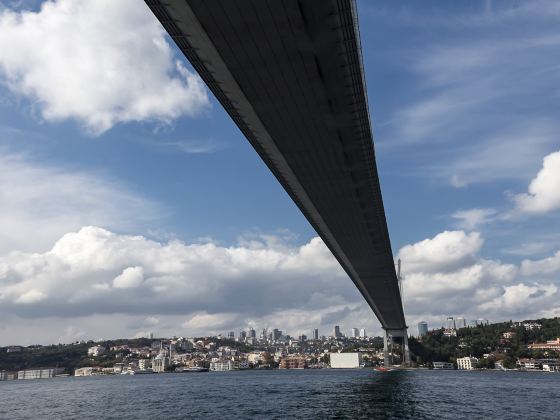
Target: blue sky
116	132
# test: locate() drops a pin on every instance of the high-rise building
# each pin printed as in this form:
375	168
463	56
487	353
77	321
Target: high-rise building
315	334
302	338
276	334
243	334
355	333
363	333
231	335
450	323
460	322
422	328
252	333
336	332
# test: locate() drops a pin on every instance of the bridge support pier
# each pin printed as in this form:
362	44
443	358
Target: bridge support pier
388	347
387	340
406	350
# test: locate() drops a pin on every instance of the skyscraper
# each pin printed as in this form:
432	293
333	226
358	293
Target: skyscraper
336	332
422	328
363	333
450	323
276	333
252	333
460	322
355	333
231	335
315	334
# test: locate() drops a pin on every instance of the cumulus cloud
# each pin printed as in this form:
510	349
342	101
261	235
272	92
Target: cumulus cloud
41	202
518	295
204	288
209	286
99	62
131	277
547	265
544	190
448	250
470	285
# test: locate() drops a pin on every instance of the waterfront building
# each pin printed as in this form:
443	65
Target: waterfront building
221	365
460	322
315	334
85	371
527	364
550	365
40	373
3	375
443	366
160	363
345	360
549	345
363	333
336	332
144	364
293	361
450	323
467	363
355	333
422	328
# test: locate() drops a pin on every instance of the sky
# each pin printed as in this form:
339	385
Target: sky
130	202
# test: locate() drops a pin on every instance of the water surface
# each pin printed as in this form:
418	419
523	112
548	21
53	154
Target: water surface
289	394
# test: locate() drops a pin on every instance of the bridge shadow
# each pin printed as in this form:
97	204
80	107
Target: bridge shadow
389	395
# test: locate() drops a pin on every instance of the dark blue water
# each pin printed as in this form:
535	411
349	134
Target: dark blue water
289	394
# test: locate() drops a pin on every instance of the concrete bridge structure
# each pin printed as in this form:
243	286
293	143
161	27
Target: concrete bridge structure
290	75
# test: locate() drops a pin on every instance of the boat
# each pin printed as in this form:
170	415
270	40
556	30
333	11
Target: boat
194	369
141	372
383	369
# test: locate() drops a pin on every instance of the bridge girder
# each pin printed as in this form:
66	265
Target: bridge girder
290	75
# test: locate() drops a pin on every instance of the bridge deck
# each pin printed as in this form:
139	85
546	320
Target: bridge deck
289	73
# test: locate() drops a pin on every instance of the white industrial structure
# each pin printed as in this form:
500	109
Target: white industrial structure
346	360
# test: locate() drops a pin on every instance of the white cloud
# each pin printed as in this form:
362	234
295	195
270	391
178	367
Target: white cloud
41	202
517	296
544	189
131	277
474	287
471	219
448	250
196	289
210	287
99	62
547	265
31	296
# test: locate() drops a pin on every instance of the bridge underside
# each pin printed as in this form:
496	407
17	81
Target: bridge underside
289	73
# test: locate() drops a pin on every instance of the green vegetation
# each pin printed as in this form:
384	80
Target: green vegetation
69	356
486	339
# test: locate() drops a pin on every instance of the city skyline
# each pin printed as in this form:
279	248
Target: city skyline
134	204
